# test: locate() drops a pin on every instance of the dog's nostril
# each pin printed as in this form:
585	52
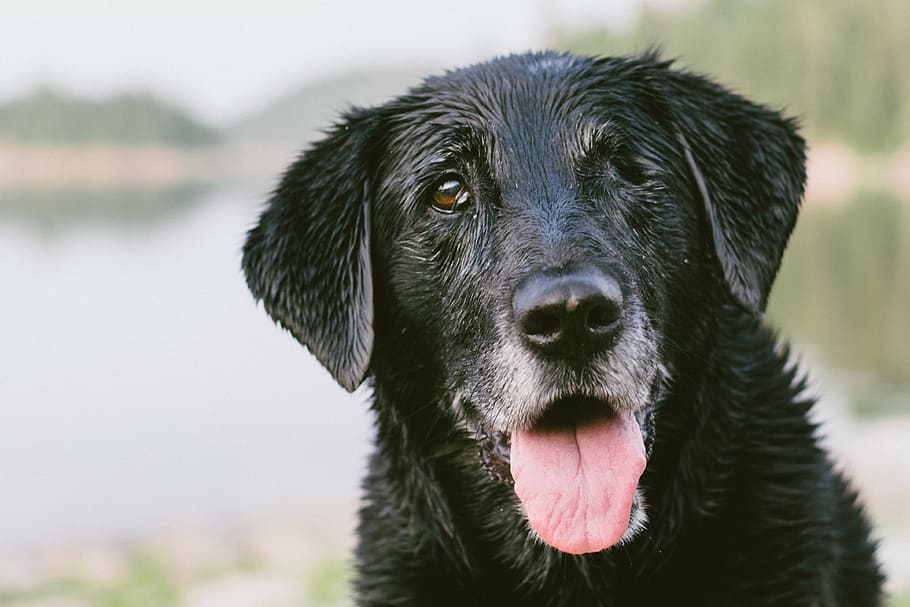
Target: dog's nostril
541	323
602	315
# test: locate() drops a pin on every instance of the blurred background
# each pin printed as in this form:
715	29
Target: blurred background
162	443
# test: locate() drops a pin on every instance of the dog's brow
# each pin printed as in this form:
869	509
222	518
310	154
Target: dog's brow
594	137
460	142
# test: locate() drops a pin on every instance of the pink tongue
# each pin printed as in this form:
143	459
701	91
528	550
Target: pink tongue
577	483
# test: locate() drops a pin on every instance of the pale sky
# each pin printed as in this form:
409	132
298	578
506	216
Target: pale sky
222	59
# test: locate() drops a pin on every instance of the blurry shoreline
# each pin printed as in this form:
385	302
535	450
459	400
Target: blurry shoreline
835	171
292	555
104	165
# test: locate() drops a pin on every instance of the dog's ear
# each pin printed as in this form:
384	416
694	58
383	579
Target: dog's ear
748	163
308	259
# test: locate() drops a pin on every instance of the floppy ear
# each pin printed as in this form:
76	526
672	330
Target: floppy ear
748	163
308	259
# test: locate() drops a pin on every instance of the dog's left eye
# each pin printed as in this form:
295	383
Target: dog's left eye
450	194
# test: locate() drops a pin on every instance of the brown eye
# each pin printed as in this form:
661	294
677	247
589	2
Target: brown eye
450	195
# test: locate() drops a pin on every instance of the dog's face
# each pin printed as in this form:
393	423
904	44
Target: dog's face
536	231
502	198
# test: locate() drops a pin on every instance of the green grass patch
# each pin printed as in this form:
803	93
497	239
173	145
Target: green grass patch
328	581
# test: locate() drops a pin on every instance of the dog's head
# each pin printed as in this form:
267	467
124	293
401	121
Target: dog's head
536	238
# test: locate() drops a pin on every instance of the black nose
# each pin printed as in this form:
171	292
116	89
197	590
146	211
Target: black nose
569	315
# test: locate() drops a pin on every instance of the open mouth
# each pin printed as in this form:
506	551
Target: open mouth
575	472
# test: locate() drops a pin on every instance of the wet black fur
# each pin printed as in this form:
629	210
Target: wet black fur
684	191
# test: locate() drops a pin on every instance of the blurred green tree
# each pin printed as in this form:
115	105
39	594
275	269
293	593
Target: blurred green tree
48	116
841	66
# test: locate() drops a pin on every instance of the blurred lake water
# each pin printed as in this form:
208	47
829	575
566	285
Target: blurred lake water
141	385
843	296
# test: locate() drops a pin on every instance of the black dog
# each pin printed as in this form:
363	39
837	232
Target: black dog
552	270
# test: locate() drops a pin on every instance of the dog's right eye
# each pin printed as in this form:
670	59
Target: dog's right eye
450	194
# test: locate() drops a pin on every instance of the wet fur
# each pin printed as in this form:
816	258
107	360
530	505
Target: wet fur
686	193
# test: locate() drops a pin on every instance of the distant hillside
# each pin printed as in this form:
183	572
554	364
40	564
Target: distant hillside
49	116
300	115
